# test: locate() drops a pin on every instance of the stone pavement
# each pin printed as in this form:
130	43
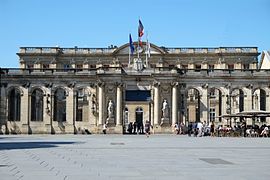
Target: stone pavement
79	157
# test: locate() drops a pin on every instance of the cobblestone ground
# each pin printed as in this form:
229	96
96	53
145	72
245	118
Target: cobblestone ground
80	157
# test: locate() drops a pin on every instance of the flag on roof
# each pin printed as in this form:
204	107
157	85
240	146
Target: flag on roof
131	46
140	33
140	29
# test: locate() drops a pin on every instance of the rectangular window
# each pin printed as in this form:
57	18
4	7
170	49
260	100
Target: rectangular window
66	67
211	67
45	67
197	68
92	66
212	93
246	66
79	67
231	67
212	114
30	67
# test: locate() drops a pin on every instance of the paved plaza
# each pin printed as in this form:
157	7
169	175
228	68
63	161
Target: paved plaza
79	157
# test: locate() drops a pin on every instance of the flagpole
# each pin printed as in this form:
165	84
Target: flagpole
146	49
138	47
138	41
129	57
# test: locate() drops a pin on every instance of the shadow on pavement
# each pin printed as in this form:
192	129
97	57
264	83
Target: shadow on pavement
30	145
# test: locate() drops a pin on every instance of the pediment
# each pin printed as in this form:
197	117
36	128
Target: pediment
124	50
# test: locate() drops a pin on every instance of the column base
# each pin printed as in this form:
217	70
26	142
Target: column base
48	128
24	130
69	129
159	129
165	122
110	122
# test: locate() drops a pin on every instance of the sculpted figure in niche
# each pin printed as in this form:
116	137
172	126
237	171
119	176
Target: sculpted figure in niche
110	109
165	109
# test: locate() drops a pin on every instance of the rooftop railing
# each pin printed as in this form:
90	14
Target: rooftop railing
212	50
55	50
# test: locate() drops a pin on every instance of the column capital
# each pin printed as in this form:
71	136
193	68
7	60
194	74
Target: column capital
71	84
156	83
205	86
174	84
119	84
249	86
100	83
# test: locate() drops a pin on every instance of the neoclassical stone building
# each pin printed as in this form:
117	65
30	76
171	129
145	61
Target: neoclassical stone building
65	90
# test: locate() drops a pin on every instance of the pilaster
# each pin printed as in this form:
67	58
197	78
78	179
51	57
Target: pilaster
174	103
25	108
247	98
119	108
100	103
204	103
156	103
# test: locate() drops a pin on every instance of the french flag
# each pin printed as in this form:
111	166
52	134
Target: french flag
140	29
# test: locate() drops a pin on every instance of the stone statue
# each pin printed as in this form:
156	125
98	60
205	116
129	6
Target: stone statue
110	109
165	109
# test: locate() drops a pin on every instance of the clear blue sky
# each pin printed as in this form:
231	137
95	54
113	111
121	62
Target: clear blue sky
100	23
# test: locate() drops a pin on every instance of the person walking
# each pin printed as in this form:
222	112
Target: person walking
147	127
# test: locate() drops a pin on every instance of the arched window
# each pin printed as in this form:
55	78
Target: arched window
193	105
14	105
82	105
60	105
262	100
126	116
215	104
37	105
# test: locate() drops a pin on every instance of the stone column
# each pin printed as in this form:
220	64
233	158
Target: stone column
70	112
174	103
156	103
152	107
100	103
204	103
267	99
47	112
247	98
119	105
224	99
93	106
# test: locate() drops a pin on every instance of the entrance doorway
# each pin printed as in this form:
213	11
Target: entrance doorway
139	119
137	111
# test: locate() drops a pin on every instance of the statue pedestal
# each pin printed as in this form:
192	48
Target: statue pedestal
110	121
165	121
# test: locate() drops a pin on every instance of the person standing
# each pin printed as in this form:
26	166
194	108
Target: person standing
104	130
212	129
176	128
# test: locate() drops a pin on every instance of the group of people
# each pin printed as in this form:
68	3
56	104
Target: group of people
199	129
138	128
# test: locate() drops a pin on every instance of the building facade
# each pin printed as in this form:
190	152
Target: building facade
67	90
